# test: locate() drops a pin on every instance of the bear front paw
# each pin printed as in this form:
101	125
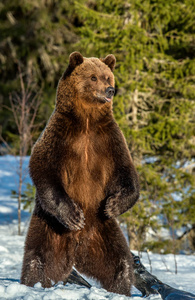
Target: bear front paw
112	209
75	220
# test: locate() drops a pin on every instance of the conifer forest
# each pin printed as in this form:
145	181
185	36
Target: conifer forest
154	45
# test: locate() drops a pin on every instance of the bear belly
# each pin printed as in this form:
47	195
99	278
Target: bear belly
87	172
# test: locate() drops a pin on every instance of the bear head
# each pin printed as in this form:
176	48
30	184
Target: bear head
87	82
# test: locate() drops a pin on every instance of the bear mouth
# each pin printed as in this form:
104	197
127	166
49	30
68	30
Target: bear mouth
104	99
108	99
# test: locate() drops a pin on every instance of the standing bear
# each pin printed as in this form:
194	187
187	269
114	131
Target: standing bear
85	178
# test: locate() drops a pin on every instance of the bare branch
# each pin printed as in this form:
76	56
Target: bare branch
6	145
14	111
24	107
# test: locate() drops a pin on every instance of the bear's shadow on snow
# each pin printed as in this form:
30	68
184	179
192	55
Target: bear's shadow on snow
10	279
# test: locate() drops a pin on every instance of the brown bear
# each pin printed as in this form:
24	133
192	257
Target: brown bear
85	178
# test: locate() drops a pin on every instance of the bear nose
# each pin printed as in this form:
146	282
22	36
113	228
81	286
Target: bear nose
110	92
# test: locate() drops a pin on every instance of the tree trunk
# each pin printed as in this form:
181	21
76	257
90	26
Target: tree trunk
20	194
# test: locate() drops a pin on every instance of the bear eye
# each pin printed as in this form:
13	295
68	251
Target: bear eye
94	78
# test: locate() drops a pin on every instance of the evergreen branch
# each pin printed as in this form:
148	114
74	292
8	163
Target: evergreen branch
186	232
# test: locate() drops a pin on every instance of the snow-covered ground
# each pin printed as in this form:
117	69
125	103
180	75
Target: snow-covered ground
11	252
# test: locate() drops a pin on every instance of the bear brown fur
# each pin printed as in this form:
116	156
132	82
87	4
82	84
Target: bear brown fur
84	178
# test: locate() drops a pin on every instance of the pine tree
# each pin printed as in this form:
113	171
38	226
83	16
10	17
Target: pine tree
154	46
37	35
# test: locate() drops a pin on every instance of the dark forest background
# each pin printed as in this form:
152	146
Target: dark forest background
154	44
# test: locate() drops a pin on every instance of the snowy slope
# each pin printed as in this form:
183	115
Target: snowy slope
11	252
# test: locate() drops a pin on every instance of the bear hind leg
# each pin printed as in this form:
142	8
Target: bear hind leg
33	271
48	256
47	273
106	258
122	278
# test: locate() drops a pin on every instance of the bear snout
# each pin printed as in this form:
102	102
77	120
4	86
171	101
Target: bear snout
110	92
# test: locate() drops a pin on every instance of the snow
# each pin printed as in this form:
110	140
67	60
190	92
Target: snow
11	253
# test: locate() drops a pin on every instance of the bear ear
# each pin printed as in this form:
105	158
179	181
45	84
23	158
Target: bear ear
75	59
110	61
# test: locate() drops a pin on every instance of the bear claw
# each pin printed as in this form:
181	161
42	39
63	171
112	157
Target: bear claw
111	209
76	223
75	219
